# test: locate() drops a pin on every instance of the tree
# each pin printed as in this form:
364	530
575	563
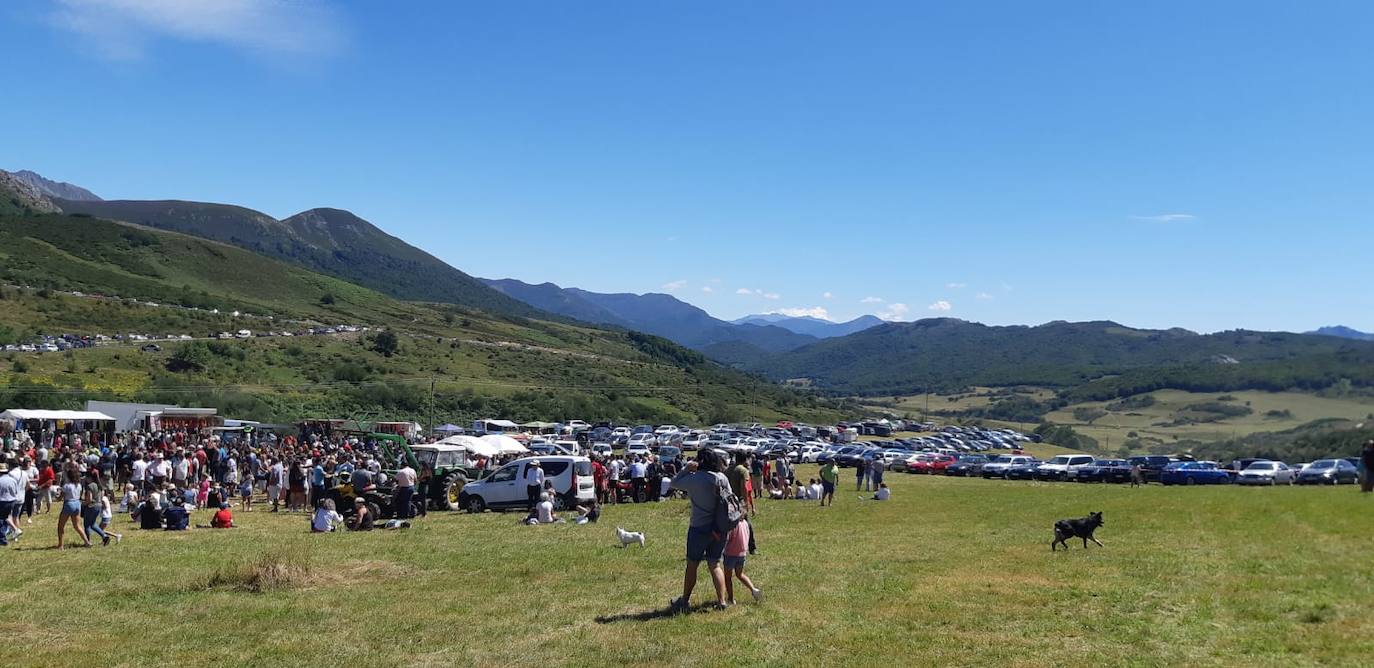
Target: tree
386	343
190	357
327	299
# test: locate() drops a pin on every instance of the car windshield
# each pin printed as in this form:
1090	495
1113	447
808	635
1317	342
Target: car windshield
1060	460
1324	464
1002	459
1260	466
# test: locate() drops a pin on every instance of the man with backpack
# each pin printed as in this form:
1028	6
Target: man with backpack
715	512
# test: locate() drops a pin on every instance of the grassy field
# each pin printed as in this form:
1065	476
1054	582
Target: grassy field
950	571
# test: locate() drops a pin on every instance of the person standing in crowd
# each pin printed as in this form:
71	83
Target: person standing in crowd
653	472
534	483
91	497
9	496
755	477
875	472
46	479
138	472
317	485
71	508
830	476
28	478
705	486
296	482
599	479
638	473
403	497
274	482
1367	462
860	474
107	517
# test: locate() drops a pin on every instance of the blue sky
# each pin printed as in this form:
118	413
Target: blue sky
1208	165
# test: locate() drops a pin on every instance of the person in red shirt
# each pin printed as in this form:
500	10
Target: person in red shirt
46	478
223	519
599	478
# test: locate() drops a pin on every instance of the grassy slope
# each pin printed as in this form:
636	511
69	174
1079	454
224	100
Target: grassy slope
951	571
554	361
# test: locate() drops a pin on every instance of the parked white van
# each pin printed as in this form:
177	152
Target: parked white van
505	487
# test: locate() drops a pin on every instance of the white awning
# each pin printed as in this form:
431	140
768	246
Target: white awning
506	444
27	414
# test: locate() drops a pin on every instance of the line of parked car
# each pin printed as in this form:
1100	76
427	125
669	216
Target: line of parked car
1153	468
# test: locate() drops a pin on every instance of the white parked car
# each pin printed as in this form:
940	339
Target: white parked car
997	468
643	441
1062	467
1267	473
603	449
641	448
505	487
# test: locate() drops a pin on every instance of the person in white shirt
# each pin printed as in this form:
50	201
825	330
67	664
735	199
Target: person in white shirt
404	493
534	482
140	471
326	518
883	493
815	490
543	511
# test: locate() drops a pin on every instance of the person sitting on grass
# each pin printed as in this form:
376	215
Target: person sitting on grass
589	513
326	518
177	517
148	514
365	519
883	492
224	518
543	512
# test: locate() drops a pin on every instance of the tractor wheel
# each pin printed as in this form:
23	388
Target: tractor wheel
452	488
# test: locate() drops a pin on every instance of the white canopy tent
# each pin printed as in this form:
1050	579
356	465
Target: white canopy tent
506	444
26	414
474	445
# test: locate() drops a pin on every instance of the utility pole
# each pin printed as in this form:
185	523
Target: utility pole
431	407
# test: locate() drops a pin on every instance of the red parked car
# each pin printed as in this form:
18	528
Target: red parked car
932	464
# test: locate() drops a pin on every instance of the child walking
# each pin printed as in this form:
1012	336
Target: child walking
736	545
106	516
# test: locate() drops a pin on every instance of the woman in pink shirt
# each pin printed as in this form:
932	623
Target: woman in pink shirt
736	547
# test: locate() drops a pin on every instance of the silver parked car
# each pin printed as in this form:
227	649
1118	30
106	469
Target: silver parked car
1266	472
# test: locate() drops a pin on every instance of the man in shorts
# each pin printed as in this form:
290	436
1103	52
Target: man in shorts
830	475
704	485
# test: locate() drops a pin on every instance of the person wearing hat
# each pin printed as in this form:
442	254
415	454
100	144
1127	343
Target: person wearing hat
534	482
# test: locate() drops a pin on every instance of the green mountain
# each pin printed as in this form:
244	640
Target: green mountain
942	354
327	241
88	276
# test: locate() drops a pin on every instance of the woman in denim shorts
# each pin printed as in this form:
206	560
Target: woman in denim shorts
71	508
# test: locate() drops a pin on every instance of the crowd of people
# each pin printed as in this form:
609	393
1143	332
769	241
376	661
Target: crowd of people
159	478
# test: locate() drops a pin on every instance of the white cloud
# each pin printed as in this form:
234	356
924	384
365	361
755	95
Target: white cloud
758	292
1166	218
122	29
813	312
894	311
984	296
707	289
675	285
871	300
827	295
941	305
956	286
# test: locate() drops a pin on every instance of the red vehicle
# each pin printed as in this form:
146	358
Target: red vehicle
932	464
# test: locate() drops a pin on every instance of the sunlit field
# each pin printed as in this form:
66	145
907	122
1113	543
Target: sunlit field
950	571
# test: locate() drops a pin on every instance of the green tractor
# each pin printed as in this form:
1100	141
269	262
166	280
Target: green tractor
449	463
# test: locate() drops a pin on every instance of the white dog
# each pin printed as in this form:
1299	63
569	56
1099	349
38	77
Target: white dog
628	537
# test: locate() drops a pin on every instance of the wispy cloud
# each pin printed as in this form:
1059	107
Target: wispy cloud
707	289
956	286
941	306
675	285
123	29
827	295
1166	218
871	300
758	293
812	312
894	311
984	296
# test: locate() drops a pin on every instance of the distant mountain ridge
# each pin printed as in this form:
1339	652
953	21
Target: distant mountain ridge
945	353
1341	331
653	313
18	197
55	189
817	327
329	241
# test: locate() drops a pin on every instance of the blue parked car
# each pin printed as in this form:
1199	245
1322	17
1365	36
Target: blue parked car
1194	473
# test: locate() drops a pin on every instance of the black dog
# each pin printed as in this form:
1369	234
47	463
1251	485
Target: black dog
1082	527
